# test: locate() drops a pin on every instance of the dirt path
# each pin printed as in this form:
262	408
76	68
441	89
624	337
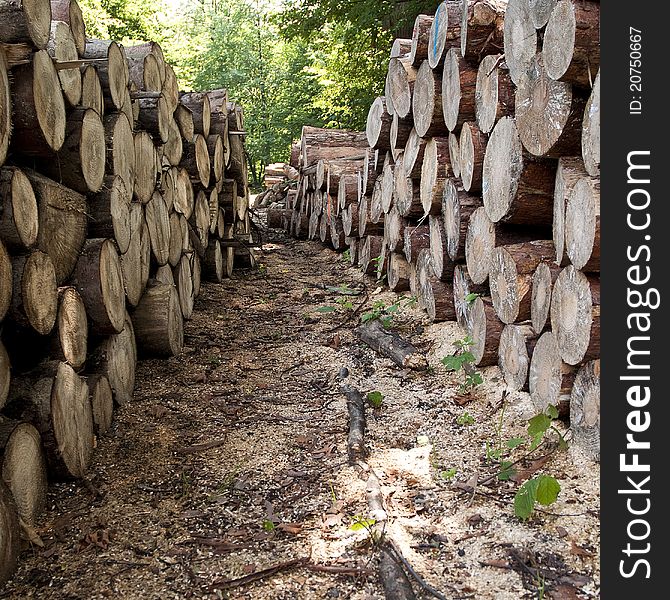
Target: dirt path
232	459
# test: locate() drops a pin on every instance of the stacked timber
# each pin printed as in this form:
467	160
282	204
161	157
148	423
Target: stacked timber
118	194
478	190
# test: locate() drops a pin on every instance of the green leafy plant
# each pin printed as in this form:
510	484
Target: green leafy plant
542	489
465	419
464	360
470	298
346	255
449	474
375	399
268	525
362	523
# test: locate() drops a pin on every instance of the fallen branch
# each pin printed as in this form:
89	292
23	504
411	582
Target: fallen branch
420	580
390	344
226	584
356	442
201	447
394	579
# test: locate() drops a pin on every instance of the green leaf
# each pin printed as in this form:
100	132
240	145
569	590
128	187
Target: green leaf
326	309
538	425
368	316
393	308
515	443
548	489
360	523
524	500
268	525
477	378
449	474
470	298
467	357
552	411
375	398
452	363
507	471
386	321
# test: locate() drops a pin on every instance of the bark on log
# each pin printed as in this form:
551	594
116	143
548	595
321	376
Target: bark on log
25	21
5	281
397	272
376	210
427	103
152	50
39	108
390	344
378	126
494	93
585	410
516	348
347	192
416	238
101	396
5	107
400	130
401	77
19	220
575	316
158	222
542	283
158	323
400	47
520	38
99	280
196	160
116	358
199	223
445	32
70	342
548	113
482	28
144	72
35	298
571	45
198	103
91	90
70	12
582	225
435	171
10	536
155	117
370	252
420	38
369	171
113	73
413	155
516	190
591	131
62	48
510	275
472	146
459	83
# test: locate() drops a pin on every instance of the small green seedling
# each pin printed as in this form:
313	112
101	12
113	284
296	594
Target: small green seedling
361	523
346	255
375	399
449	474
464	360
543	489
268	525
470	298
465	419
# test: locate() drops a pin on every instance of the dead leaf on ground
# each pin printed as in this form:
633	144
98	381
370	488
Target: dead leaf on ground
294	528
579	551
563	592
526	473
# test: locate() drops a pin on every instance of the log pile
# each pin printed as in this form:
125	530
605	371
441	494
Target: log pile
476	187
118	195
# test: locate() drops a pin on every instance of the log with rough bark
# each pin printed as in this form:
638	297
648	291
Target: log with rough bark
516	189
542	283
39	108
376	210
212	263
443	266
62	48
158	323
435	171
369	171
516	348
196	160
445	31
337	234
435	296
459	83
327	144
548	113
199	105
217	155
401	78
397	272
5	374
5	281
102	403
482	28
184	118
70	341
413	155
400	47
347	191
339	168
591	131
131	268
427	103
390	344
144	71
171	88
116	358
25	21
91	90
585	410
510	274
10	534
378	126
98	279
80	162
575	315
370	252
70	12
415	239
112	70
464	294
485	331
549	378
111	213
183	277
55	399
420	38
472	146
457	206
5	107
387	186
155	116
237	168
19	220
582	225
571	45
174	147
35	299
520	39
400	130
394	229
494	93
146	167
158	221
120	149
199	223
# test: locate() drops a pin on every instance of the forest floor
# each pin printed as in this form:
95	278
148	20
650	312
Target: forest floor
232	459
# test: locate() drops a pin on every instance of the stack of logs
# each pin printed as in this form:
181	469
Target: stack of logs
118	194
476	187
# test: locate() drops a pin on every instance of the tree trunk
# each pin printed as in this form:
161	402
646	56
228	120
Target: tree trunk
571	45
369	171
158	323
184	118
454	154
378	126
516	348
445	32
575	316
387	186
591	131
457	207
10	534
459	83
102	403
482	28
70	342
400	47
158	222
391	345
420	38
39	108
25	21
376	213
548	113
582	225
435	172
494	93
401	75
120	149
394	230
212	265
171	88
184	198
520	38
585	410
216	155
62	48
371	250
153	49
510	275
542	283
131	259
196	160
485	330
397	272
570	171
70	12
199	105
35	298
155	116
472	146
516	190
144	73
416	238
347	191
113	73
5	281
183	276
400	131
146	167
174	147
327	144
339	168
19	219
427	103
116	358
111	207
413	155
99	281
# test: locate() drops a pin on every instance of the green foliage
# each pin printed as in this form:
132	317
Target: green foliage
465	419
449	474
375	399
326	309
470	298
463	360
268	525
542	489
362	523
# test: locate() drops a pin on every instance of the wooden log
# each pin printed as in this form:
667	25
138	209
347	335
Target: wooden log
199	105
420	38
99	280
370	252
10	536
39	108
158	323
5	281
55	399
542	283
63	49
571	45
394	230
575	316
515	189
540	11
176	240
464	293
131	259
5	374
337	233
326	144
142	52
199	223
400	47
443	266
582	225
174	147
494	93
70	12
213	203
216	155
387	186
591	131
5	107
112	70
212	264
390	344
520	38
144	71
184	118
369	171
401	77
454	154
171	88
457	206
155	116
435	171
70	343
116	358
510	274
25	21
158	222
416	238
436	297
400	130
347	191
516	348
413	155
184	198
397	272
19	220
445	32
472	146
35	299
427	103
24	469
196	160
376	210
378	126
120	149
101	396
585	410
183	276
485	331
146	167
482	28
459	83
111	207
237	169
91	90
549	378
548	113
